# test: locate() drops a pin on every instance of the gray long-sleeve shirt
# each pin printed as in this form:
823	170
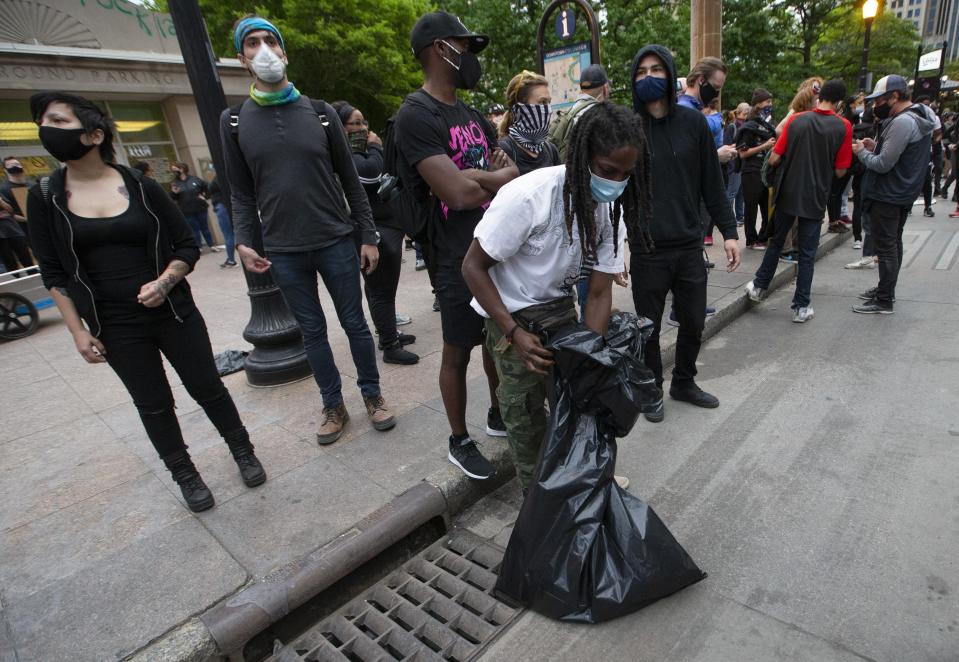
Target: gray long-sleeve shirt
285	166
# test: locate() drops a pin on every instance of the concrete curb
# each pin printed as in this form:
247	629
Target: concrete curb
225	628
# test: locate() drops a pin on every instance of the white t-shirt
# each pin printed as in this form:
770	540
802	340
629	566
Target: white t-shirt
524	230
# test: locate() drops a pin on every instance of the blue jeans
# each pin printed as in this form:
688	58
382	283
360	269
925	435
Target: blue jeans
198	223
226	227
339	267
808	244
734	193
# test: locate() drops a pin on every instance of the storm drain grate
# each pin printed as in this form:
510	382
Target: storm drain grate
438	606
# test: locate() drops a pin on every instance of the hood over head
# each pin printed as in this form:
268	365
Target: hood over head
666	56
925	118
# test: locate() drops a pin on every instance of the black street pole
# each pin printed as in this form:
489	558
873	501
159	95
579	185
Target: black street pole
278	356
865	56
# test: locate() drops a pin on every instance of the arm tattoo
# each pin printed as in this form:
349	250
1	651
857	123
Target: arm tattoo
164	284
122	190
176	270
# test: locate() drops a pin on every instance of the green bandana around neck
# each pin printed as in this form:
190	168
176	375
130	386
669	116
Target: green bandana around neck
289	94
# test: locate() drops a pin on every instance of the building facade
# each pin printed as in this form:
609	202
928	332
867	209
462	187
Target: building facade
936	21
113	52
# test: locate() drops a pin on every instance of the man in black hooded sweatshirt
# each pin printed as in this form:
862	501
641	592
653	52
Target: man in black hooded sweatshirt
685	170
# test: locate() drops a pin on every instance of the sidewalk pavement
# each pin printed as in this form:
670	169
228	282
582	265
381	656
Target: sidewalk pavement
99	557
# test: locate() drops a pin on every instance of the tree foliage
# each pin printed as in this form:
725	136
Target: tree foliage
358	50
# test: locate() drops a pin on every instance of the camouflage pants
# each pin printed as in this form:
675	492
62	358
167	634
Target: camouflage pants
522	398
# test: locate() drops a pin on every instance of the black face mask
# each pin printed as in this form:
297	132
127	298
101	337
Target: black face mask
64	144
15	170
469	71
707	92
881	112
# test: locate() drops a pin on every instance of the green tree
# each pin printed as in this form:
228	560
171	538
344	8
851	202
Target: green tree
892	46
358	50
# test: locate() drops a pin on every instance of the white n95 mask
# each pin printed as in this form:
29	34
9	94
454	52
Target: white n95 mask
267	66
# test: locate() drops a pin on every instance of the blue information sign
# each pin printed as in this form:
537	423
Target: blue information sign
565	23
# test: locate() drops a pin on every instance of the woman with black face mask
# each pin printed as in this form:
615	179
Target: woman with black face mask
379	286
114	251
755	138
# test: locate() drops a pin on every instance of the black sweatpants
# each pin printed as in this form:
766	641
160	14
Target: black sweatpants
654	275
380	286
836	191
755	194
133	351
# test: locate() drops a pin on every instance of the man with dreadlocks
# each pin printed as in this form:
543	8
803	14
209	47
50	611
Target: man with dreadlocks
527	251
685	170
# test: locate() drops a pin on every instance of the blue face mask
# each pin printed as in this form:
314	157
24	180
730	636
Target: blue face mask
606	190
766	112
650	88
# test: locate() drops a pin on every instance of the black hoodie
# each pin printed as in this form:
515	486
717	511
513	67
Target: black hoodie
685	168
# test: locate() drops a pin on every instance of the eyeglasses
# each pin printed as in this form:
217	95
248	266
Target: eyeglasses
360	123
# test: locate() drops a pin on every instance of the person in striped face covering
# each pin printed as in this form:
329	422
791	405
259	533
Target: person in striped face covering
523	130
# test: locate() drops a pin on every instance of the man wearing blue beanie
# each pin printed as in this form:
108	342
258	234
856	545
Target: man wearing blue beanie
284	154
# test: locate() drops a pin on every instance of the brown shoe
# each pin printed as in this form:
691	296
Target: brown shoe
380	415
334	420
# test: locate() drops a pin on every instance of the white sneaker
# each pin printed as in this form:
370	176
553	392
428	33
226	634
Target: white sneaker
622	481
402	320
864	263
754	293
857	245
802	315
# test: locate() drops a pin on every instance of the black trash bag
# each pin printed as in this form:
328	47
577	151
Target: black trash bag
230	361
583	549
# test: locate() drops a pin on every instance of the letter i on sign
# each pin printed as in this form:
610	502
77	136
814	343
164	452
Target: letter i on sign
565	23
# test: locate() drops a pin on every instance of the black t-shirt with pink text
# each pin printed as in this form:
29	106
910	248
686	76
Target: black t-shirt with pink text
463	135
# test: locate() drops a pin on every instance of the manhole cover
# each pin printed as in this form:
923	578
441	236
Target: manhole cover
436	607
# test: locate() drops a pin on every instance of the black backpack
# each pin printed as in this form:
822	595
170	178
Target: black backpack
411	206
318	107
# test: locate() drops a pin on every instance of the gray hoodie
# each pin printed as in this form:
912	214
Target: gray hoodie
896	169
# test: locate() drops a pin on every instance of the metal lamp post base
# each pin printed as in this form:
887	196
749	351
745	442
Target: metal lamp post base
278	356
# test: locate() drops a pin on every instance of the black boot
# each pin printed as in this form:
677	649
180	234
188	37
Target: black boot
396	354
195	492
403	338
251	470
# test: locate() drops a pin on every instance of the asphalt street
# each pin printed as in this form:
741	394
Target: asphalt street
821	497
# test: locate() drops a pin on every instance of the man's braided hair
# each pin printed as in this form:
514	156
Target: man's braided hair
602	130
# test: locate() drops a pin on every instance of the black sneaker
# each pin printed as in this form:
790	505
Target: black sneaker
251	471
691	393
436	304
873	307
494	423
928	212
467	457
196	494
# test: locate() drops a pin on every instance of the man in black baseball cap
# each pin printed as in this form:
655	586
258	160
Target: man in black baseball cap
440	25
595	82
447	161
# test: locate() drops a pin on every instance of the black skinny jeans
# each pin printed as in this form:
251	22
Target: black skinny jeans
755	194
380	286
133	351
684	273
886	223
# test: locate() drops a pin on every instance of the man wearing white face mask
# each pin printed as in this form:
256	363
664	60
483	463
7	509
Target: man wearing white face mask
284	154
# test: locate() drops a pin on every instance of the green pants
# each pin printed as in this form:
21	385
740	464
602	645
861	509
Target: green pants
522	399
